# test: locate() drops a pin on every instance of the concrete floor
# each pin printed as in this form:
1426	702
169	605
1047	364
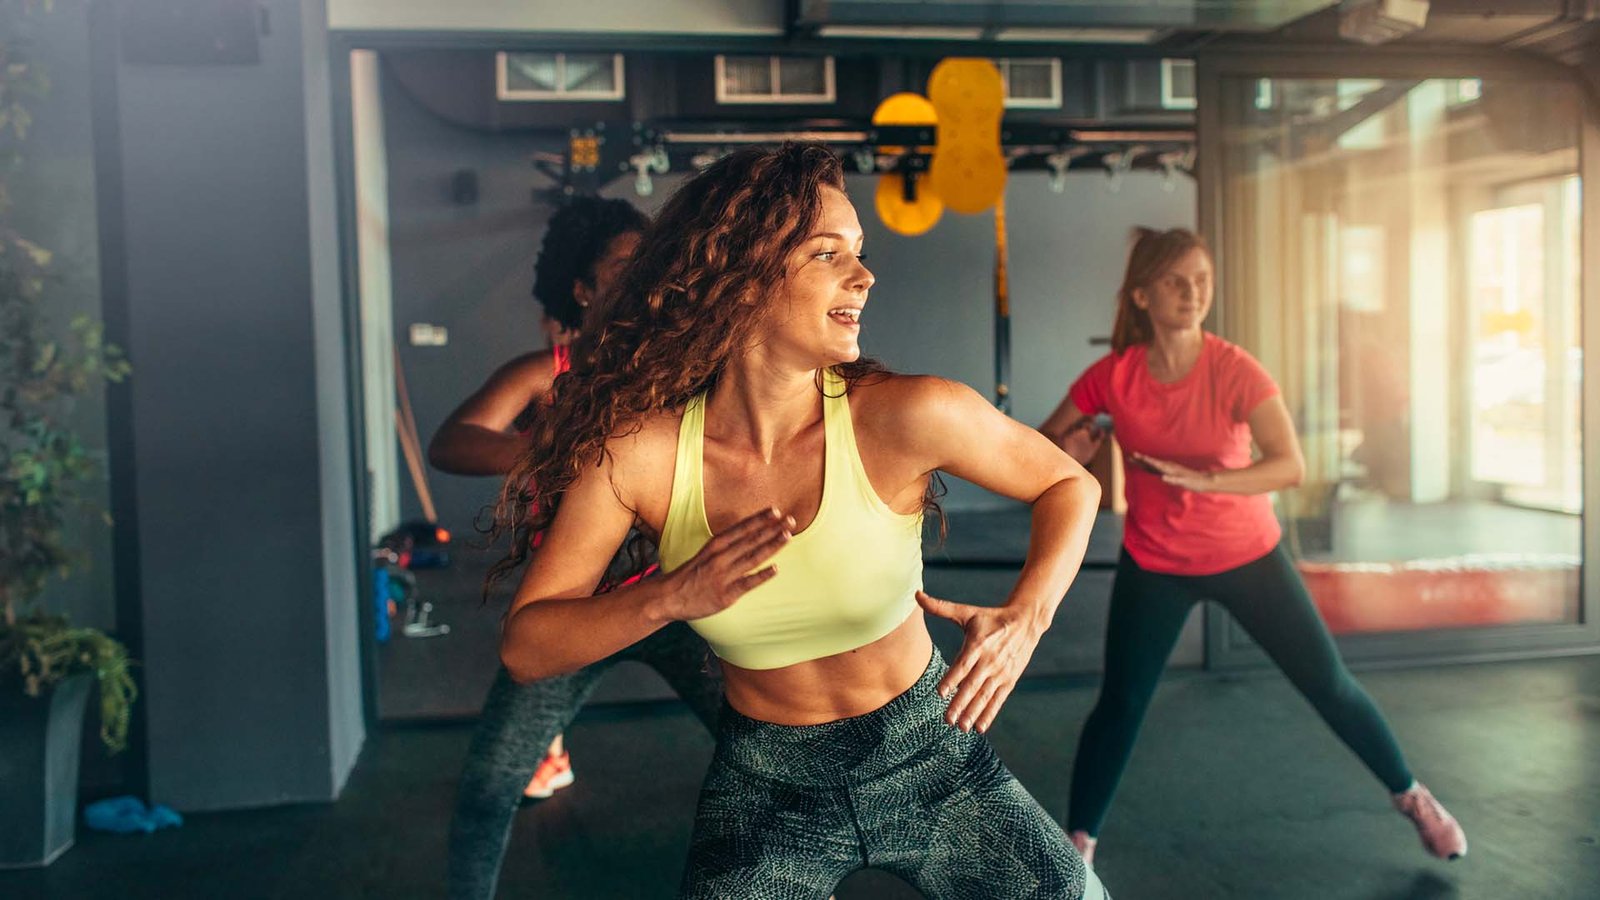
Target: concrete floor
1235	791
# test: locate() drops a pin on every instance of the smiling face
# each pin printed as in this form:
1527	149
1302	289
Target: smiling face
817	321
1180	297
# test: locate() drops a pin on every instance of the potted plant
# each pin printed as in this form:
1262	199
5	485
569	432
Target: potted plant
47	666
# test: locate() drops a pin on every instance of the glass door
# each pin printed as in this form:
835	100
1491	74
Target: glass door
1524	347
1399	242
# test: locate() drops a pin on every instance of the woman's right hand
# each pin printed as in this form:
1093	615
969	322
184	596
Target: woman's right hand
721	572
1082	440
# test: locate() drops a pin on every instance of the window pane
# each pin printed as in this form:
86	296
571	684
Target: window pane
1030	80
591	72
1407	266
797	75
1508	347
745	75
531	71
1183	78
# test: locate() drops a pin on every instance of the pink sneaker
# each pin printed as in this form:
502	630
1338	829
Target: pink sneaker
1440	833
1085	845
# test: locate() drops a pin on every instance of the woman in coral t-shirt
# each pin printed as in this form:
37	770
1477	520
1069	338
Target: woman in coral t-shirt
1186	406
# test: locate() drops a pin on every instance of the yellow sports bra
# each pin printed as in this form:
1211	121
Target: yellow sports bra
849	578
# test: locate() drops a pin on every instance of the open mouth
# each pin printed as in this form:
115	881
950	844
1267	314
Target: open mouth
846	316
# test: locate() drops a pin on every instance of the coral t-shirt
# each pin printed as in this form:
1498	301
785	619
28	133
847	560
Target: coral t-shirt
1200	421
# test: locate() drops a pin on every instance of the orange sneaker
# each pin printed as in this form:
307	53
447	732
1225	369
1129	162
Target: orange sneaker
553	774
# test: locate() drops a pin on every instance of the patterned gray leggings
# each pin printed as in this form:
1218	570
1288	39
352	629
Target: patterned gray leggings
518	723
787	812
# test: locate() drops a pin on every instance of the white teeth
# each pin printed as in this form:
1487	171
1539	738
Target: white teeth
853	315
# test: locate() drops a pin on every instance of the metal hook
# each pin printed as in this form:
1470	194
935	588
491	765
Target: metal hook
1169	170
1119	163
642	163
1059	162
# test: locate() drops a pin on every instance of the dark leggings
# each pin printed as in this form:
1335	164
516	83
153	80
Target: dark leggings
517	725
1269	599
787	812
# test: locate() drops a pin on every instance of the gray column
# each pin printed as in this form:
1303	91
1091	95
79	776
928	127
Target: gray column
241	432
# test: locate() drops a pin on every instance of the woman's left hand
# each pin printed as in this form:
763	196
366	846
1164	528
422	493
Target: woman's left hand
1176	475
998	644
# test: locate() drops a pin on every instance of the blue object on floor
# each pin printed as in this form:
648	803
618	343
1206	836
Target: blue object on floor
380	590
128	815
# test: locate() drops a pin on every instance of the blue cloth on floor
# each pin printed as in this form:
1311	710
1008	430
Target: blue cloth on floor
129	815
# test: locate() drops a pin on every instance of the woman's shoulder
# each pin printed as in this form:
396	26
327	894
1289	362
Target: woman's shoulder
891	391
530	372
541	361
1227	355
639	458
653	434
1222	348
1239	373
1113	358
911	406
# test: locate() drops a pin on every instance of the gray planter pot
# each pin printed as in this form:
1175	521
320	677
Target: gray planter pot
39	739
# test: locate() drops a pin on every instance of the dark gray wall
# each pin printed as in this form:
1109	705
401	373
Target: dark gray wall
932	309
54	205
240	445
470	267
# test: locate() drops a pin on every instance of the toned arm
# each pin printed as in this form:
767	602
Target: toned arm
555	626
473	440
1069	429
953	429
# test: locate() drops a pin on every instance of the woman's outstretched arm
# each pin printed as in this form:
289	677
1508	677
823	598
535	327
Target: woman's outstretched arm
961	433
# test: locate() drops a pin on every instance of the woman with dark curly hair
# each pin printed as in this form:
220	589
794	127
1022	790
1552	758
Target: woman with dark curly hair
721	405
517	744
586	244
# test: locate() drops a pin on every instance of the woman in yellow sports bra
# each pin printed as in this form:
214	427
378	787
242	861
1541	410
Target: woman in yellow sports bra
725	409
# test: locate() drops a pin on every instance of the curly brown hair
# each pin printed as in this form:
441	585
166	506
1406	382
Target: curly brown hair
684	307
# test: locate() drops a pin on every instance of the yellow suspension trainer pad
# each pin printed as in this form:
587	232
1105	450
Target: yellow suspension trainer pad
968	169
901	216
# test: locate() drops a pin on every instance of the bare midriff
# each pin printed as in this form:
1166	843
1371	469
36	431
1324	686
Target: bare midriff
847	684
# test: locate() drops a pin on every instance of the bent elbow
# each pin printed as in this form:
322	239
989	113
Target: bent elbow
1297	473
439	451
517	657
517	665
1092	490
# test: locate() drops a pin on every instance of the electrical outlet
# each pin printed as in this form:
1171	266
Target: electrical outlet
424	334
